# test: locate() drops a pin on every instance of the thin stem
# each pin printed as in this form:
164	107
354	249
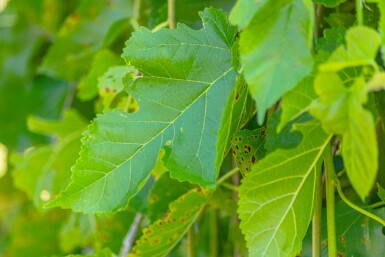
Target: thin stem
213	233
330	201
317	221
230	186
160	26
135	15
355	207
191	242
130	236
359	12
171	14
227	175
376	205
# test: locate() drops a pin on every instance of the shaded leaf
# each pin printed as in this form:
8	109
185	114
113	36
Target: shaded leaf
248	147
381	192
332	39
277	197
160	237
183	96
103	253
44	171
329	3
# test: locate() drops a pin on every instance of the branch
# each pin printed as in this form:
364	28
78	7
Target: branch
171	14
130	236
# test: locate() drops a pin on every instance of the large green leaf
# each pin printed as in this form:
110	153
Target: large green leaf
361	47
43	171
341	112
276	199
188	104
161	236
275	49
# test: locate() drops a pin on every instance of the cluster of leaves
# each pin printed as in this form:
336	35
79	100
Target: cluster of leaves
267	96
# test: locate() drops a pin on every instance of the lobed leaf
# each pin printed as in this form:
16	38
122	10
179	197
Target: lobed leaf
276	199
190	103
341	112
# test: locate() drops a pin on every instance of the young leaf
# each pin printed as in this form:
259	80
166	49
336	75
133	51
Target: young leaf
43	171
160	237
275	50
341	112
182	96
244	11
276	199
361	47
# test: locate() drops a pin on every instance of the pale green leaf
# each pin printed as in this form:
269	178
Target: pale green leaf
275	50
276	199
244	11
183	96
361	47
111	83
87	88
377	82
297	101
161	236
341	112
44	171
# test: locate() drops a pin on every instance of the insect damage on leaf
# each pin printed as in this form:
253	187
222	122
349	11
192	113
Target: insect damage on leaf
247	147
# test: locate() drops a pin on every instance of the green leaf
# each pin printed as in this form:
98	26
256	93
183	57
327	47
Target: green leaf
332	39
275	50
286	138
161	195
77	232
44	171
248	148
377	82
183	96
81	36
381	192
160	237
276	199
361	47
329	3
297	101
111	83
244	11
87	88
341	112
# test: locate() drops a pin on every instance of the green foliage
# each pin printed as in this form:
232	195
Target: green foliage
189	132
269	208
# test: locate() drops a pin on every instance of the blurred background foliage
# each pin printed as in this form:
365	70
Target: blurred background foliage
55	76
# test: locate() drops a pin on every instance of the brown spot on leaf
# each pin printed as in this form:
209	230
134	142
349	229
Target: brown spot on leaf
237	96
253	160
147	231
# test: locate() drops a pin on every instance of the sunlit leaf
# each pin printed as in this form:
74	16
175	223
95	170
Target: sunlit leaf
182	98
276	199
